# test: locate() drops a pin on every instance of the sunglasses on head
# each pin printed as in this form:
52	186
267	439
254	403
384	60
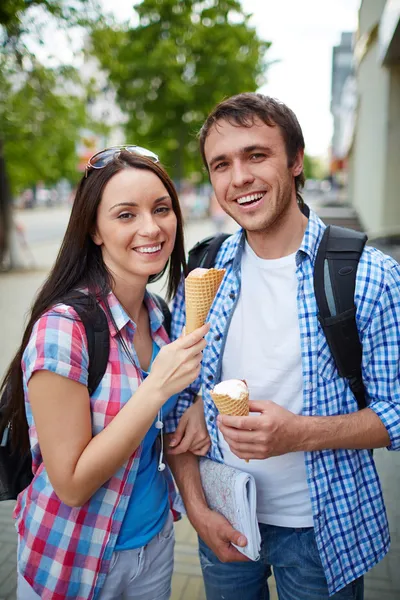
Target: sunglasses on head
104	157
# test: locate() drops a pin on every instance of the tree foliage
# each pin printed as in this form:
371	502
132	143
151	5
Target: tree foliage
41	123
169	71
39	118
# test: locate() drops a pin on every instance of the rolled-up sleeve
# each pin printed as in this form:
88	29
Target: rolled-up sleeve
57	344
188	395
381	355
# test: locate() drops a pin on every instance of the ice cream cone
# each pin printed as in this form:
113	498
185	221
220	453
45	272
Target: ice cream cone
236	405
201	285
231	406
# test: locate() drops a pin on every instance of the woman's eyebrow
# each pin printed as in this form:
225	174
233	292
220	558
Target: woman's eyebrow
135	205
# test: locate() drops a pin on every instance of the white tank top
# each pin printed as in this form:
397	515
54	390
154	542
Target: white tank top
263	347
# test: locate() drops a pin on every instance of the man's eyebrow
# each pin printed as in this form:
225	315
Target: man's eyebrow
248	149
135	205
245	150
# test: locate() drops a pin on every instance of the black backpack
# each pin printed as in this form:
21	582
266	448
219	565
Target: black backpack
335	273
15	467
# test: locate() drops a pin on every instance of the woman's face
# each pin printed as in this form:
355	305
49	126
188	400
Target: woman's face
136	225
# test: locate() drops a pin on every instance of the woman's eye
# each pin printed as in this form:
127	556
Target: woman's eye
162	209
125	216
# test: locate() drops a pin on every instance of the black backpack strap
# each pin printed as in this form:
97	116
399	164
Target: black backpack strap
335	274
162	305
95	322
204	253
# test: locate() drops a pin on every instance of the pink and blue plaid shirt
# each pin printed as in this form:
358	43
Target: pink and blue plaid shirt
64	552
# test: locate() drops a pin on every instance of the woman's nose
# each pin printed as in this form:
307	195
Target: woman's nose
150	228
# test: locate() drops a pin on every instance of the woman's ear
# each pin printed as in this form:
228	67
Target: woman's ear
96	237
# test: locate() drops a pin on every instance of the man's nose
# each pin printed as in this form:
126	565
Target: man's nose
241	175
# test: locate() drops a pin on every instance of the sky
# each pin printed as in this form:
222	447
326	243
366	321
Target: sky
303	33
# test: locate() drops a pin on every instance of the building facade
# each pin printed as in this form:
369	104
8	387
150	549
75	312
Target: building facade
374	145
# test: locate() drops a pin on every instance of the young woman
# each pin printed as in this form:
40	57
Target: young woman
95	523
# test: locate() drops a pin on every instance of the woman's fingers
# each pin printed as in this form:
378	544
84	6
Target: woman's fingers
193	338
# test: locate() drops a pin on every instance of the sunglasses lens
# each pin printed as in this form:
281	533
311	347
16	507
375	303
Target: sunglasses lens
143	152
101	159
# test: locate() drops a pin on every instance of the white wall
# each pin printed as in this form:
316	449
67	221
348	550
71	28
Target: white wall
391	200
370	143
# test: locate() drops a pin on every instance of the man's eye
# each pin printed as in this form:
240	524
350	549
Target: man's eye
220	166
257	156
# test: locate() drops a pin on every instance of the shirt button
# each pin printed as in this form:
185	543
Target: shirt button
211	419
232	295
210	377
217	337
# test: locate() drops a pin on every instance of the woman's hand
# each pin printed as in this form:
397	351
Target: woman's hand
177	364
191	435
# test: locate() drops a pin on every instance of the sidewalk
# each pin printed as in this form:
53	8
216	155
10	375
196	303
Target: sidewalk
17	291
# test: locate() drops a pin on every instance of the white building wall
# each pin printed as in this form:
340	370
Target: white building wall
374	161
391	203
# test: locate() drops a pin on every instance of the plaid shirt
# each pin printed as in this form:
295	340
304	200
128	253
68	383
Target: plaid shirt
64	552
349	516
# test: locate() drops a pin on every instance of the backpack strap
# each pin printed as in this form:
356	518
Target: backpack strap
335	274
204	253
163	306
97	331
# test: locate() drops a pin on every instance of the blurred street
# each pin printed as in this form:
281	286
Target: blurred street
43	232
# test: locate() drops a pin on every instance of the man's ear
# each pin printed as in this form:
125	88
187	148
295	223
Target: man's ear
298	163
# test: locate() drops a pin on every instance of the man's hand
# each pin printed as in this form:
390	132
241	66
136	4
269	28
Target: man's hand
219	535
274	432
191	435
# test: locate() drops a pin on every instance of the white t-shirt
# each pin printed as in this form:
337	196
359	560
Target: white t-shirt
263	347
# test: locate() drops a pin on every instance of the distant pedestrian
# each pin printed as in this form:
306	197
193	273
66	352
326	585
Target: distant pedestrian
96	521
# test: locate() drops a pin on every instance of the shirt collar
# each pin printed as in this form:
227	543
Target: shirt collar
311	239
309	245
121	318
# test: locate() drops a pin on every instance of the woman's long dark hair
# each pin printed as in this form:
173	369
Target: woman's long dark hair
80	264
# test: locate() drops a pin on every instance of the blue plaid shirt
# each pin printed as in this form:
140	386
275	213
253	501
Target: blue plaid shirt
350	521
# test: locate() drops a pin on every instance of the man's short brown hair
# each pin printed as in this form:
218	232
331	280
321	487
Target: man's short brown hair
243	109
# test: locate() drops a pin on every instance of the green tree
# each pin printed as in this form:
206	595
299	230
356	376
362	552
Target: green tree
182	58
39	120
41	125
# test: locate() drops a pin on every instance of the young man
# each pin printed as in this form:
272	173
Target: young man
319	502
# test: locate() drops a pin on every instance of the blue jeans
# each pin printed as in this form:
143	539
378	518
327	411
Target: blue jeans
294	557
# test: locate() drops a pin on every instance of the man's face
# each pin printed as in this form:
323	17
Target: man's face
249	173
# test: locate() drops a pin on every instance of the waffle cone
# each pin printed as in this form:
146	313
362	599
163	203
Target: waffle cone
199	295
231	406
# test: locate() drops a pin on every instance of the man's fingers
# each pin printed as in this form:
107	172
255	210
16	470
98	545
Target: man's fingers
258	406
175	438
233	536
202	450
231	554
245	423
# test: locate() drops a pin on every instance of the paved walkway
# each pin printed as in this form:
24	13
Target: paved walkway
17	290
